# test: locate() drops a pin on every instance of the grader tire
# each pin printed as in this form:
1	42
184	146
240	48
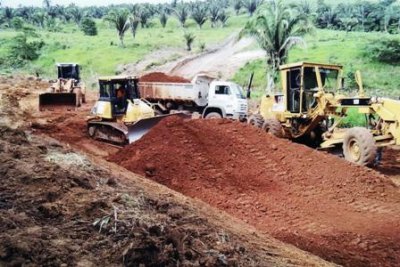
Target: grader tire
256	120
274	127
359	146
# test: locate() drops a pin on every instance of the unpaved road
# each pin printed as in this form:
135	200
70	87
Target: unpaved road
221	61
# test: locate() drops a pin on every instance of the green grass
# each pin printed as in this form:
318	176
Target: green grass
102	54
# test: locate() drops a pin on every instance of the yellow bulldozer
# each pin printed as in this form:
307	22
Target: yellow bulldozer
120	116
312	104
67	92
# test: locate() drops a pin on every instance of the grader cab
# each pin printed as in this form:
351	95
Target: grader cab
311	106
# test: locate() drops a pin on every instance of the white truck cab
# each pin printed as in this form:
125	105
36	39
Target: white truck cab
226	100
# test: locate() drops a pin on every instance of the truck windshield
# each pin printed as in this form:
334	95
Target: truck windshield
238	91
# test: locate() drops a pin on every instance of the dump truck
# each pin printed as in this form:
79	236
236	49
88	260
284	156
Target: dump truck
313	103
208	97
120	116
66	92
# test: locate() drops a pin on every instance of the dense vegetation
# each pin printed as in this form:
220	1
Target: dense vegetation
359	34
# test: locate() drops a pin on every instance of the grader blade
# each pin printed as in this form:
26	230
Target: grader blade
57	101
141	127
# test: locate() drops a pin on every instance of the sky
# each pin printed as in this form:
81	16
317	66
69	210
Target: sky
16	3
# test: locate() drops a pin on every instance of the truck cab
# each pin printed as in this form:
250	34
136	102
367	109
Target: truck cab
226	100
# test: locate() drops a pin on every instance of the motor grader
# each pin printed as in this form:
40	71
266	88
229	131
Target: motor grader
67	92
120	116
312	104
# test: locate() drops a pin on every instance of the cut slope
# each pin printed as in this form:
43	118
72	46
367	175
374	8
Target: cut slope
341	212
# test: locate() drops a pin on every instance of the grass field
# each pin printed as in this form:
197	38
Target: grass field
102	54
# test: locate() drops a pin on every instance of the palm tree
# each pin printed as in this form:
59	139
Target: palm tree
237	5
143	15
119	18
214	14
199	14
163	18
47	4
223	17
134	23
182	13
252	5
277	29
8	14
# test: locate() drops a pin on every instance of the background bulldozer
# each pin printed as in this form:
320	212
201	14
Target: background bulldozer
311	106
67	92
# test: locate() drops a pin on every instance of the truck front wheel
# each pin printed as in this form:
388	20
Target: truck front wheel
213	115
359	146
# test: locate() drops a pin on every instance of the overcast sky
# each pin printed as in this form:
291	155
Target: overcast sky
16	3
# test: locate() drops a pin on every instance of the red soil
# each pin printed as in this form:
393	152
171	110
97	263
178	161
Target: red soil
344	213
162	78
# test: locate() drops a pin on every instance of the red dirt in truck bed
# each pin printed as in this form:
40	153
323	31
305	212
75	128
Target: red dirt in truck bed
342	212
162	78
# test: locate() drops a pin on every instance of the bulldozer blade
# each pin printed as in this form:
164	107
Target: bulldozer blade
141	127
53	101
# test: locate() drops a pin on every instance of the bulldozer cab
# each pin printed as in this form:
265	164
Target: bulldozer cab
302	80
118	91
68	71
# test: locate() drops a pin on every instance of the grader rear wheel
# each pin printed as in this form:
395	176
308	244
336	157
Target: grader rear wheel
256	120
274	127
359	146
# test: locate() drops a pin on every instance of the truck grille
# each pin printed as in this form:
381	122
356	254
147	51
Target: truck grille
243	107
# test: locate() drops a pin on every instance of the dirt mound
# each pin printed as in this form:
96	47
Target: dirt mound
58	208
19	99
162	78
344	213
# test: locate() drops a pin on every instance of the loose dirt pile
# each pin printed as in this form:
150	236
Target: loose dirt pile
162	78
344	213
58	208
18	98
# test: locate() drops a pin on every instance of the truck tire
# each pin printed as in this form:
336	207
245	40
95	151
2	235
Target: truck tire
359	146
256	120
213	115
274	127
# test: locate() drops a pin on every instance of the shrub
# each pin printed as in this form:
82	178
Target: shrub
23	50
189	39
384	50
17	23
88	26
